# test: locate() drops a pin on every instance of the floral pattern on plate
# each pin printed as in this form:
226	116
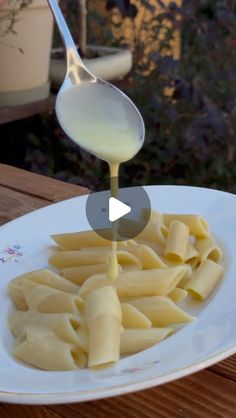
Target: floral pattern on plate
11	253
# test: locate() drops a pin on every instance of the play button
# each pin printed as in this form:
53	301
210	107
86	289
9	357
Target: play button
117	209
102	210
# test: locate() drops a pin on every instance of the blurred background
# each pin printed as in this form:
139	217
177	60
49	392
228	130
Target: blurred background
175	59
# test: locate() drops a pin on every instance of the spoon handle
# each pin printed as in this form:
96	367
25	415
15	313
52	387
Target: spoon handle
72	56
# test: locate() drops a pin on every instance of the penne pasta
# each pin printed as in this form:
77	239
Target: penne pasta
127	258
204	279
155	246
65	259
135	340
78	240
142	283
177	241
103	319
198	226
46	299
147	256
79	274
66	326
177	294
44	349
152	231
46	277
187	275
208	248
133	318
161	311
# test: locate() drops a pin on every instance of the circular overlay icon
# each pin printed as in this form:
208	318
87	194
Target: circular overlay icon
130	210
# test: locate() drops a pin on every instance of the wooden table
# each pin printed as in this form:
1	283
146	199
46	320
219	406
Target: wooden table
210	393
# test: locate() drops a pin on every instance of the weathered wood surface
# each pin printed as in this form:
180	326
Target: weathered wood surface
210	393
12	113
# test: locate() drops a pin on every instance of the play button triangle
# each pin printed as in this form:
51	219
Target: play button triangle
117	209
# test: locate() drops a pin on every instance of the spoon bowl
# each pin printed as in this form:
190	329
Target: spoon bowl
94	113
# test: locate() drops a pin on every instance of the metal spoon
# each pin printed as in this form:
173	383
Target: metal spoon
76	77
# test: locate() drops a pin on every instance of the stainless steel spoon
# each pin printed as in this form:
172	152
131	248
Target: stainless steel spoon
76	77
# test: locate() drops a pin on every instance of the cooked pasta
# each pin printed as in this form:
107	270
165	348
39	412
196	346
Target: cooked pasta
204	279
133	318
44	349
47	299
208	248
177	241
65	259
142	283
152	231
103	318
198	226
133	340
177	294
81	318
161	311
66	326
78	240
191	256
148	257
44	277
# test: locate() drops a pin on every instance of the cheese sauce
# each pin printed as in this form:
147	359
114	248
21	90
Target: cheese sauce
104	123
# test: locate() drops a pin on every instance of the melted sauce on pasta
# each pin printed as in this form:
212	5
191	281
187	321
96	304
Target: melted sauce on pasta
99	121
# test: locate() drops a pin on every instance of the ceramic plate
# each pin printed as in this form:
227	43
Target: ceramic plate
24	246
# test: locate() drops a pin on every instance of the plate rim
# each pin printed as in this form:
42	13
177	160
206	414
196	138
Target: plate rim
78	396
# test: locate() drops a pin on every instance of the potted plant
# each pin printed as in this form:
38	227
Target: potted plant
25	43
109	63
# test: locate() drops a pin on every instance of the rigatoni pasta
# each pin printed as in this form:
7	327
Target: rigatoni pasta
204	279
177	241
208	248
191	256
198	226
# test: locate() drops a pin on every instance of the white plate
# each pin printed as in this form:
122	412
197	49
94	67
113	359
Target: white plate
24	246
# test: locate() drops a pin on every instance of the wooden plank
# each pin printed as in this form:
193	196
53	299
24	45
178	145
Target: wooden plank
25	411
36	185
226	368
204	394
210	393
14	204
12	113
